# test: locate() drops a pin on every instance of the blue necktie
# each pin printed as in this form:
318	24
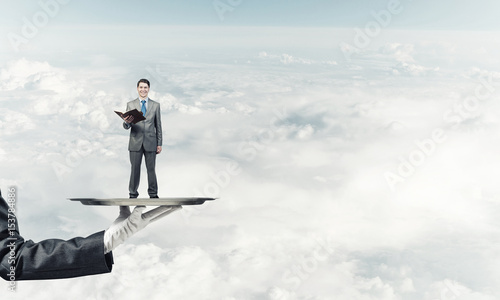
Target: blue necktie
143	108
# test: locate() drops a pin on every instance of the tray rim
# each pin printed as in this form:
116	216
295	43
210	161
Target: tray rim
170	201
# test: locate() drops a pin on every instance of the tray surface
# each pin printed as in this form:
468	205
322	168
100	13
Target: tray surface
171	201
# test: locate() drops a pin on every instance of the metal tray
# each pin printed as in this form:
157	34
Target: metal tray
172	201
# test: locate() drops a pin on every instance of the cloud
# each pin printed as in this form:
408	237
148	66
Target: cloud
400	52
13	122
25	74
412	69
309	213
287	59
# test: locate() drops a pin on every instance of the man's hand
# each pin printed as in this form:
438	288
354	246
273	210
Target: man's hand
158	150
129	119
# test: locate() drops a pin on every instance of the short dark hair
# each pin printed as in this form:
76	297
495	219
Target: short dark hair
143	81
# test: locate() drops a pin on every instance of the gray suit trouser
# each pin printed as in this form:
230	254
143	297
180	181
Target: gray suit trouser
135	174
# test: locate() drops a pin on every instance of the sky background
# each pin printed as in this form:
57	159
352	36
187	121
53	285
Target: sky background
354	149
443	14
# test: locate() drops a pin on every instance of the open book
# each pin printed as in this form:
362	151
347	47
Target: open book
134	112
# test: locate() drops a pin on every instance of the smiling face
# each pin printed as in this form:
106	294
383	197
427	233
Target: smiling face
143	90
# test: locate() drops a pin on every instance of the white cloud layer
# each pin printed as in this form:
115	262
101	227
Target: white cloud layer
343	188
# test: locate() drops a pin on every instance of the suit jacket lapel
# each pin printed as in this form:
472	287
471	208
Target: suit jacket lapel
137	104
151	105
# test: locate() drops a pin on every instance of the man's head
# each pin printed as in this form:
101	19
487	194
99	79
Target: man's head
143	88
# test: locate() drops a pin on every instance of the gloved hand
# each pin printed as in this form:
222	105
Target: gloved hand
125	226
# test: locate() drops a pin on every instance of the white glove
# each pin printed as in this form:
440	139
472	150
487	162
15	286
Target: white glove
125	226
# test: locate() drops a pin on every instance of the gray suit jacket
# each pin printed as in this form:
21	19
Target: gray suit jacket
147	132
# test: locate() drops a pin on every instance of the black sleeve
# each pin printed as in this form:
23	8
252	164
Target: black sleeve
48	259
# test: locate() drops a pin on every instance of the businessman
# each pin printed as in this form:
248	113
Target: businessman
145	139
22	259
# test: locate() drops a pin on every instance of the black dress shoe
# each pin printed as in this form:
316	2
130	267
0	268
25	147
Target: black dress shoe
153	197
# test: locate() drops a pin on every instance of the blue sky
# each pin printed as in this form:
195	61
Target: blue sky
444	14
